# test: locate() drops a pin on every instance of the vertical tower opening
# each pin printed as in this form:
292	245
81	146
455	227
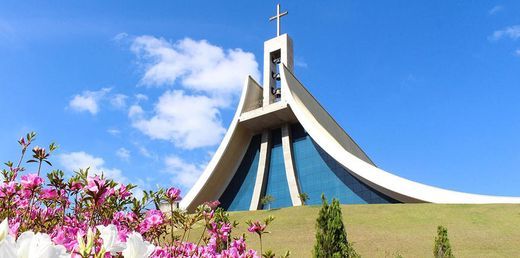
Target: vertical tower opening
277	52
276	59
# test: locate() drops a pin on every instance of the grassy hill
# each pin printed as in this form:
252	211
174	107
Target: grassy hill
406	229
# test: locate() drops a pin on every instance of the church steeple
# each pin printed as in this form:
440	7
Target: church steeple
278	17
277	51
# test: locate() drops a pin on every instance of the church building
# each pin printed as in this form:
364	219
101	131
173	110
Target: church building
283	143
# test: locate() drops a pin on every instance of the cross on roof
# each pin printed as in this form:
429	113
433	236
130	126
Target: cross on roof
277	17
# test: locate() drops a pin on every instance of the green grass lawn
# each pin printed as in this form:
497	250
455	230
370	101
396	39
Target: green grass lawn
388	229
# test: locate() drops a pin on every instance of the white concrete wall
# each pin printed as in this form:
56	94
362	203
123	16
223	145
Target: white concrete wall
284	44
222	167
294	189
262	171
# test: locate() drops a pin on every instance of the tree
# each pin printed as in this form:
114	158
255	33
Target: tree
303	198
267	200
331	237
442	247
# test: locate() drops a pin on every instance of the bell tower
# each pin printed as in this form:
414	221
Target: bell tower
277	51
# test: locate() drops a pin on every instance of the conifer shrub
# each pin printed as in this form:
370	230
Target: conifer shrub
303	198
442	247
331	236
266	201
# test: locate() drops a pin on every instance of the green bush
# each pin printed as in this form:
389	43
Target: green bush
303	198
266	201
442	247
331	237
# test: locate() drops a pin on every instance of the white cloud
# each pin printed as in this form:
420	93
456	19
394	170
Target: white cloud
188	121
211	78
495	9
141	97
300	62
88	100
512	32
184	173
120	36
113	131
146	183
198	65
123	154
118	101
517	52
144	151
135	111
73	161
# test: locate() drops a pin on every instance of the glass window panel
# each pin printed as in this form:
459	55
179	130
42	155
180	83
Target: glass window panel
318	173
276	178
239	192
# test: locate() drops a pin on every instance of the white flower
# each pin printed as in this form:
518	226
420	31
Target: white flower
38	245
4	230
85	248
136	247
7	248
7	244
23	243
111	242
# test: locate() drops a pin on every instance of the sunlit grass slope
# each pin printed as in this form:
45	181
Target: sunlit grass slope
408	229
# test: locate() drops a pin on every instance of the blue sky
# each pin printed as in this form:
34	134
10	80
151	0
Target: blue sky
145	91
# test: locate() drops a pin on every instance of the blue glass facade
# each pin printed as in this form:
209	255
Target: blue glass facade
239	192
276	178
317	173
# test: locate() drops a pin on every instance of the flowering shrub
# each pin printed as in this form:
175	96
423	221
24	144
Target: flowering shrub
93	216
259	228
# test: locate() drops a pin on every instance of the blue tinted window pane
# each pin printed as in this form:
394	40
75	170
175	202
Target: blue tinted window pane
239	192
318	173
276	178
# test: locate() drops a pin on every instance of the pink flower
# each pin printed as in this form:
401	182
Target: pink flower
122	234
7	189
22	203
213	204
94	183
13	228
31	181
118	217
98	189
209	215
49	194
220	230
15	172
132	217
23	143
74	186
123	192
174	194
256	227
160	253
66	236
144	227
154	217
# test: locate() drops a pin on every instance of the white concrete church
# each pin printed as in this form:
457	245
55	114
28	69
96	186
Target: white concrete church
282	143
